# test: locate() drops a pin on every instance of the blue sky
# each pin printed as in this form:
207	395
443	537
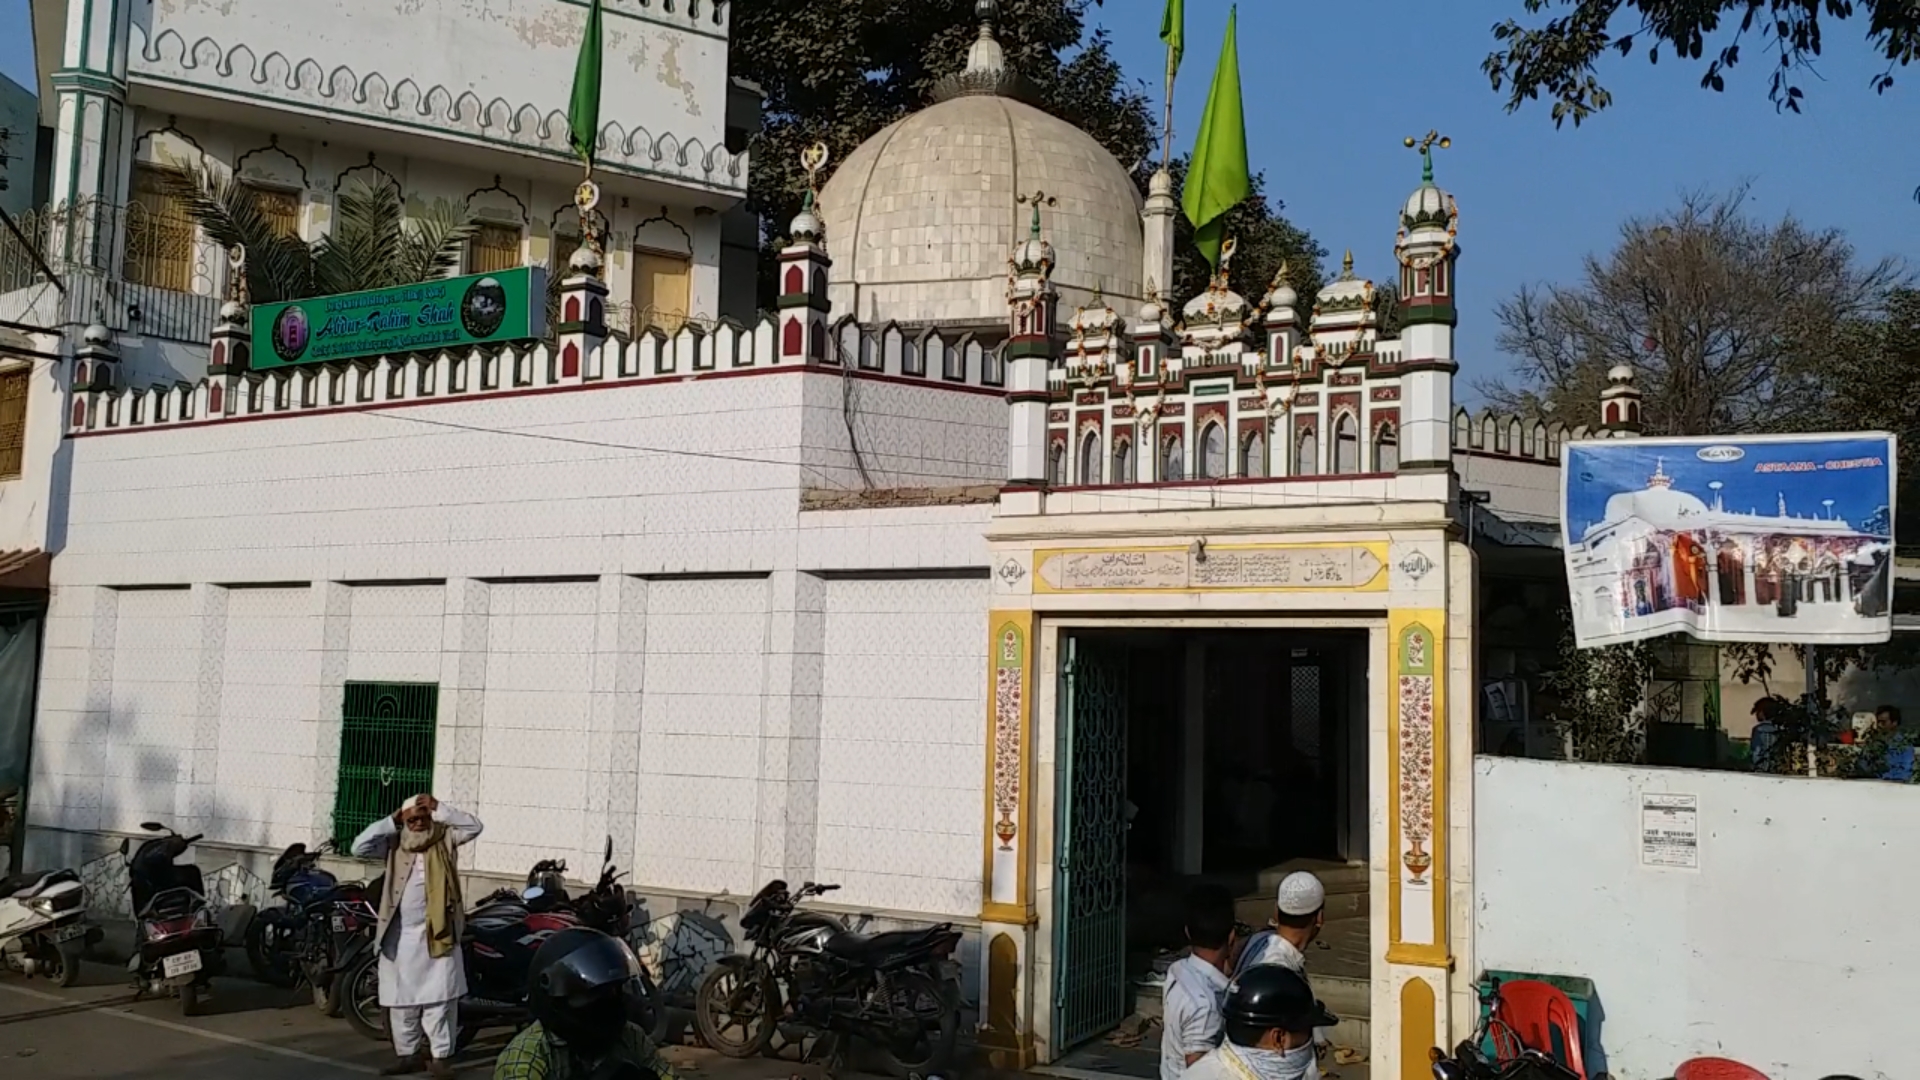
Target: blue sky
1595	473
1331	89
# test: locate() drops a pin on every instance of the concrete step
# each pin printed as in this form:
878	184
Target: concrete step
1338	877
1257	909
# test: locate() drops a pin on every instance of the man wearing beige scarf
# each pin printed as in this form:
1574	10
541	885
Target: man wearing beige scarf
422	974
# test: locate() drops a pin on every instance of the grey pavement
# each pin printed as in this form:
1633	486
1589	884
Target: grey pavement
98	1029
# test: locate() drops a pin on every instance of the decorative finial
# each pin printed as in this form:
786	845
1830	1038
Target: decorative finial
1282	276
813	159
986	10
237	274
1425	145
1346	266
585	198
1037	198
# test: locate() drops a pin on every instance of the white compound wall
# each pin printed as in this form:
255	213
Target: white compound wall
635	631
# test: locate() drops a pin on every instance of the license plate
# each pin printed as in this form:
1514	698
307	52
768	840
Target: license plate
69	933
339	924
179	964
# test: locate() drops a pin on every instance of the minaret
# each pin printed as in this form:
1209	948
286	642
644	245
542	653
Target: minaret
1157	218
803	300
1032	303
1426	249
1620	405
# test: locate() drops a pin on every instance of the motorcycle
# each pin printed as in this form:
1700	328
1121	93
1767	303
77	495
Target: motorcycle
301	939
43	925
504	930
176	943
898	991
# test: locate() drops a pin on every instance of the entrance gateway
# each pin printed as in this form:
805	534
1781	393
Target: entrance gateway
1188	756
1156	724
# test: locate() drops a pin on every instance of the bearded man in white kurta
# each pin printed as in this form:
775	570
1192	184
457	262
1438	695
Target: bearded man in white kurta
422	974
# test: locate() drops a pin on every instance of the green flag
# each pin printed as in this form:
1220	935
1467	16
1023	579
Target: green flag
1217	177
1173	31
583	112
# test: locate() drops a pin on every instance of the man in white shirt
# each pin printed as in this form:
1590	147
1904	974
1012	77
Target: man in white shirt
1299	913
1196	984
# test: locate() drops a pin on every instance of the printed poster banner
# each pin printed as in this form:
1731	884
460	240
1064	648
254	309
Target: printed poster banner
1784	538
479	309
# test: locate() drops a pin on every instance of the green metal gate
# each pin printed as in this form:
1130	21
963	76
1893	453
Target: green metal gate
1090	870
386	751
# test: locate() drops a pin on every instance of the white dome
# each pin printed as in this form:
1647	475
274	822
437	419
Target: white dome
1658	506
922	219
1427	206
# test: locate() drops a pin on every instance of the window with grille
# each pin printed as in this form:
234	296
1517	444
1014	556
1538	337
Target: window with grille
281	209
386	751
493	248
13	420
662	288
160	233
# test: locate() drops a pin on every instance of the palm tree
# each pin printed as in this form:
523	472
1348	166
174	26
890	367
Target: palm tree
373	243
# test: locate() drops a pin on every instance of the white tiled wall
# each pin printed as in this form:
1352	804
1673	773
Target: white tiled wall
577	594
700	733
902	743
533	759
268	701
395	633
149	741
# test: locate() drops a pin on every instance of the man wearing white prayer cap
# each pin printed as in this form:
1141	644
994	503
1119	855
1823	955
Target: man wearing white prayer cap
422	973
1299	911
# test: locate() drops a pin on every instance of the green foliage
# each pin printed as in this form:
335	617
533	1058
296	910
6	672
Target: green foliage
1602	699
374	243
1558	58
838	71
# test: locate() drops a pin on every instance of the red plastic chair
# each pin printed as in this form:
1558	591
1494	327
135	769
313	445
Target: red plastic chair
1535	1011
1713	1068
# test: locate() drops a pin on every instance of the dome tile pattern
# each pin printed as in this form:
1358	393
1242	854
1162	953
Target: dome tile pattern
922	218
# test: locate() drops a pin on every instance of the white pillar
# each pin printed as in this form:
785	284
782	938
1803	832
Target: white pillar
1426	418
1027	420
1157	268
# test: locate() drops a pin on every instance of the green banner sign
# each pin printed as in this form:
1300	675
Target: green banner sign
507	305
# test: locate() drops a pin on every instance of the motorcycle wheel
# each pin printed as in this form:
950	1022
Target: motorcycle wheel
360	1000
929	1048
734	1009
62	962
190	1000
270	965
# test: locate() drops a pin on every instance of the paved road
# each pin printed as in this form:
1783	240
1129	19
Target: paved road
250	1032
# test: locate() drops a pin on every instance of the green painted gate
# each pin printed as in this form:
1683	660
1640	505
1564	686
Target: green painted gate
386	751
1090	868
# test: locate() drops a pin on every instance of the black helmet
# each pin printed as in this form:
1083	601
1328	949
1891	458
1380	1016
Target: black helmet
1269	996
577	986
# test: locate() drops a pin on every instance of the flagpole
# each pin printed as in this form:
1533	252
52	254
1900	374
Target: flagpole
1166	152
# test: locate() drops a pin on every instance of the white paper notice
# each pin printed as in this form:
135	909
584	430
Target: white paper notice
1670	831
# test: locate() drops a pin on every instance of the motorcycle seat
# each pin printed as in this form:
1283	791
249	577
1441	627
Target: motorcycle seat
22	886
864	947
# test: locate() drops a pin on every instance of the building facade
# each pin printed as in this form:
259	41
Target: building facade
979	578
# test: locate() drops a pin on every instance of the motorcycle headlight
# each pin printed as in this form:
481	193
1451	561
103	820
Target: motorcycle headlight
42	905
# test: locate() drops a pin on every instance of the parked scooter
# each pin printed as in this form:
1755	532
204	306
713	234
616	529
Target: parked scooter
44	929
176	942
299	940
503	932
